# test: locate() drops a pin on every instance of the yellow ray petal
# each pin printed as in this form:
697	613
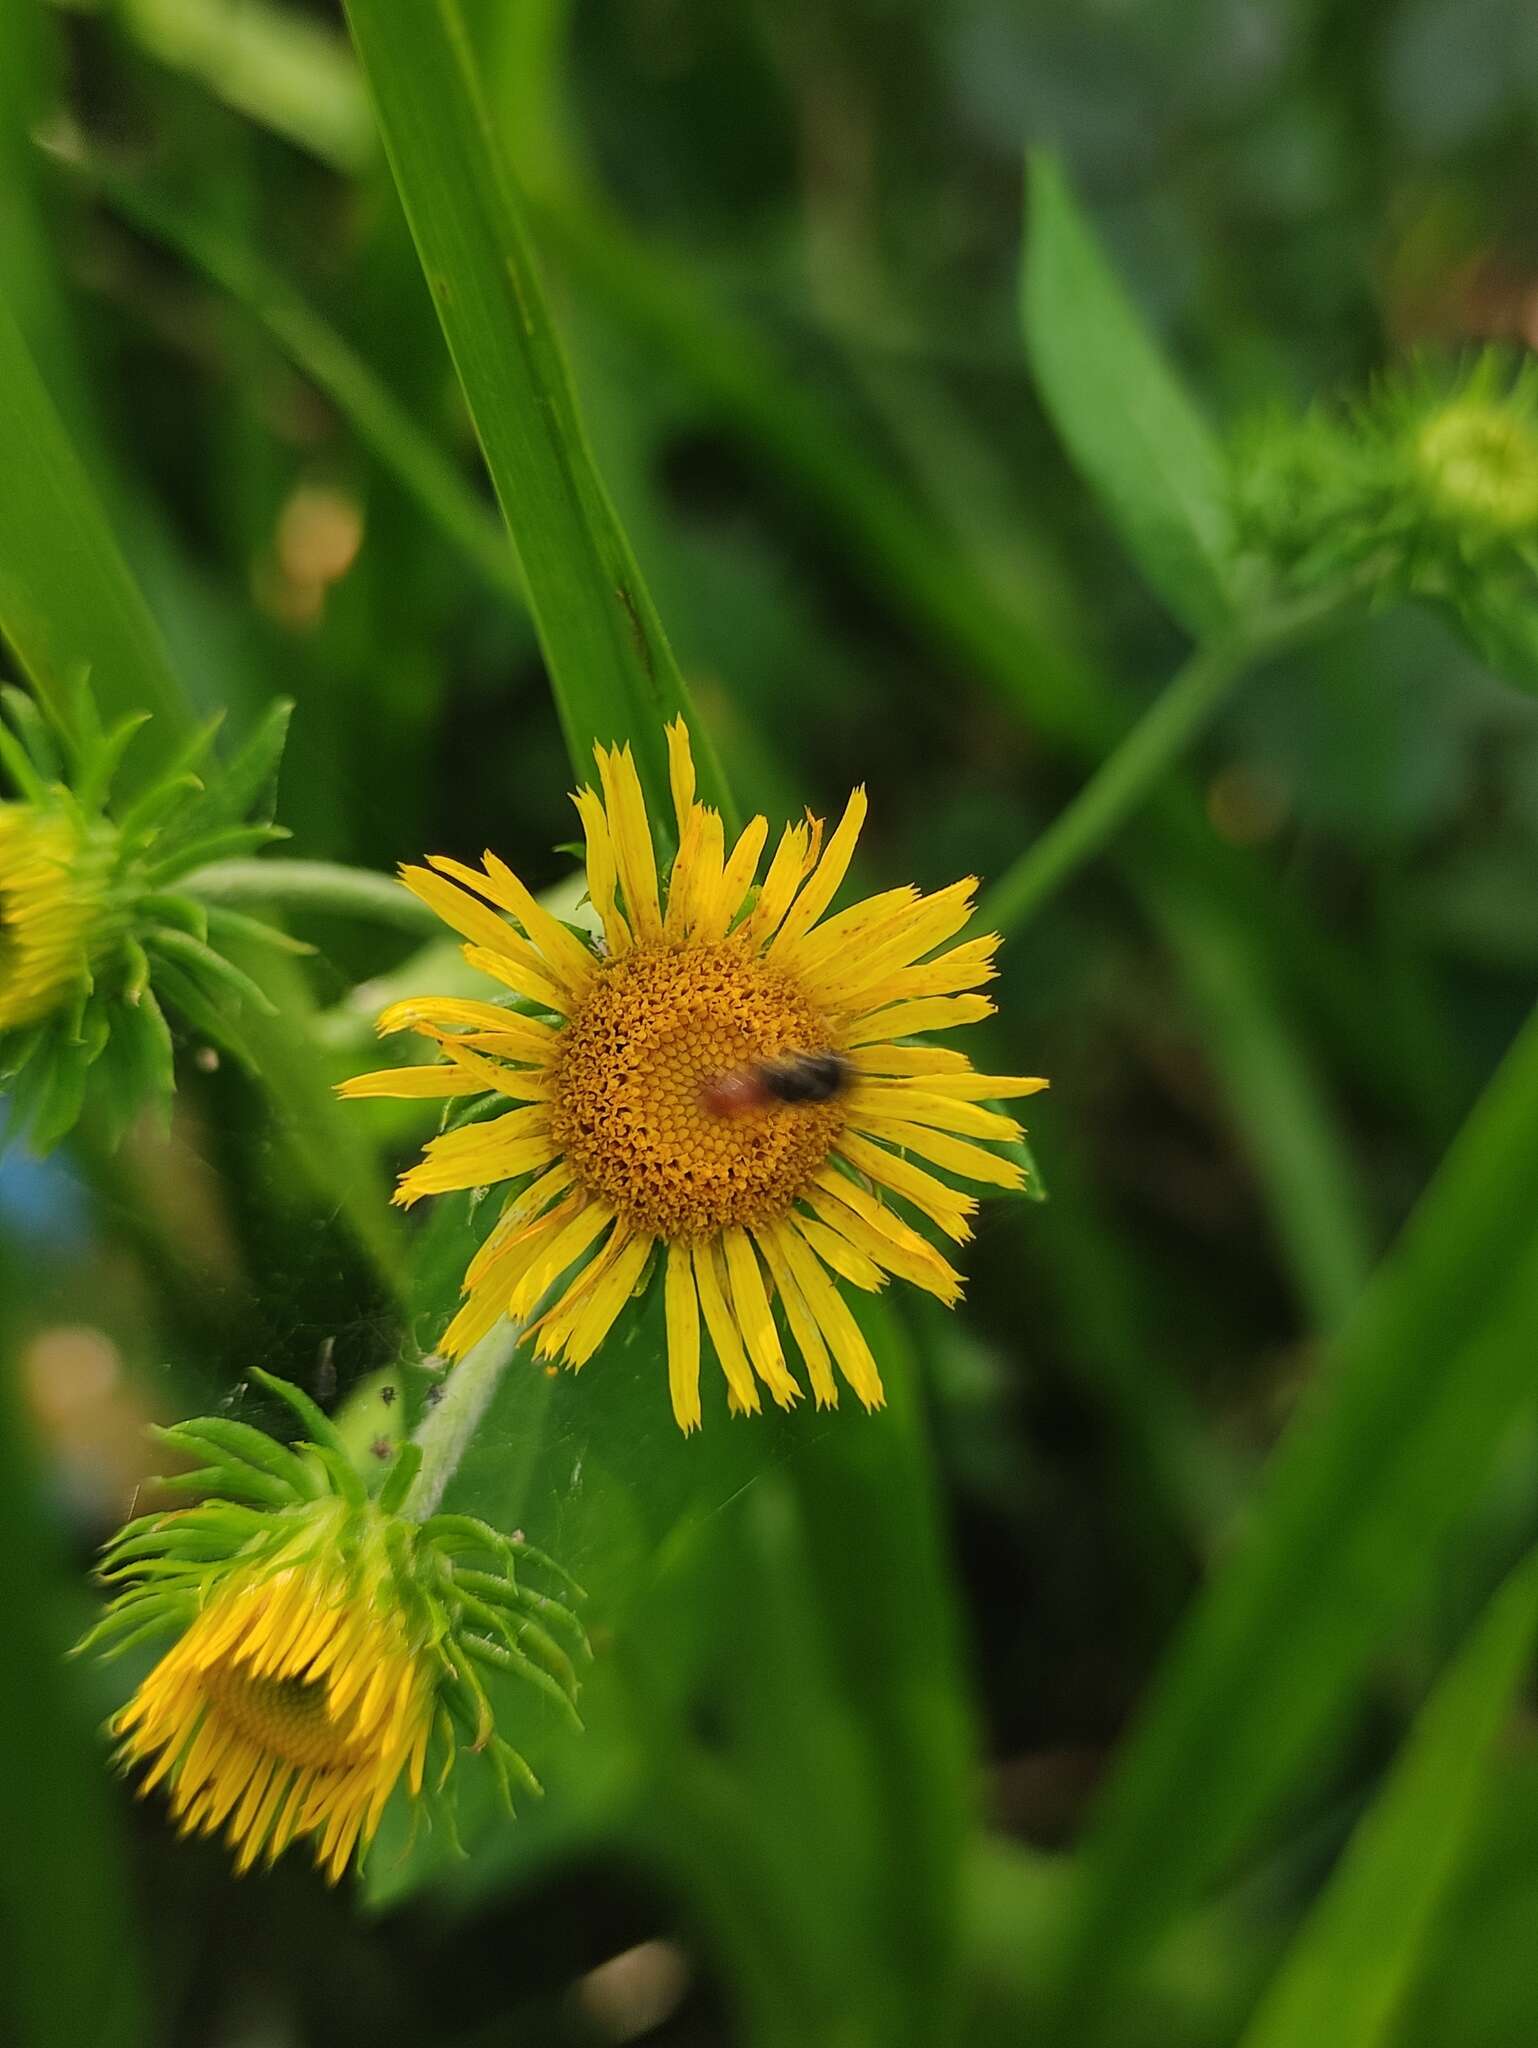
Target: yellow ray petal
956	1155
680	774
564	1248
556	1326
845	1338
633	853
785	872
601	871
888	1099
905	1020
836	1251
932	1198
755	1318
441	1173
407	1081
715	918
518	1211
970	1087
675	918
803	1324
963	967
884	1238
909	1059
822	887
535	1041
867	923
704	879
521	978
465	913
607	1299
907	935
723	1331
683	1320
561	950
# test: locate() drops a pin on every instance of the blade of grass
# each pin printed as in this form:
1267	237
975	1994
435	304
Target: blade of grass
611	669
1343	1982
1394	1442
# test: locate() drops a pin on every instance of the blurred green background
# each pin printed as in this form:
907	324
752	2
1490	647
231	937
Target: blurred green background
859	1685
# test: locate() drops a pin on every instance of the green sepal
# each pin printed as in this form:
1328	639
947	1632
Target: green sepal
403	1469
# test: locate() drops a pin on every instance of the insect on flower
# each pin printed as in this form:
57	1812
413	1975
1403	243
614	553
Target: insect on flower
803	1077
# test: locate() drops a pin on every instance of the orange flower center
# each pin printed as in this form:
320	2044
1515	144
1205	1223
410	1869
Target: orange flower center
285	1717
656	1028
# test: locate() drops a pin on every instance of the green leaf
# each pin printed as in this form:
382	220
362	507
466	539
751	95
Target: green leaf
1132	430
1394	1442
611	669
1344	1980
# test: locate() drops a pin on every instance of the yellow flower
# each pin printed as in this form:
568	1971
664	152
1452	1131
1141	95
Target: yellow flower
329	1645
620	1058
291	1706
51	905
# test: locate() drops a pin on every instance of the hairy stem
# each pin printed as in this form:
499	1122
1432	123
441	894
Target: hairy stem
452	1421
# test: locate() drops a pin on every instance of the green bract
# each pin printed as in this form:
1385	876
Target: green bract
329	1642
1427	488
97	940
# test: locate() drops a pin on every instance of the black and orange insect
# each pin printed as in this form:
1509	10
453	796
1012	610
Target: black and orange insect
801	1077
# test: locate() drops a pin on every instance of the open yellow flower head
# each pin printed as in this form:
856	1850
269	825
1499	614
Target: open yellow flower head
727	1084
329	1645
52	906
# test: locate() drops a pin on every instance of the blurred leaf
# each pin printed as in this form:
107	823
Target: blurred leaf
1394	1441
611	669
1345	1978
378	418
67	601
67	1935
1131	428
291	74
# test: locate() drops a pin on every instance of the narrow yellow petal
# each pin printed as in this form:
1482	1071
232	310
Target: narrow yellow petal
518	1211
535	1040
683	1320
889	1242
723	1331
823	885
836	1251
755	1319
780	884
442	1175
956	1155
909	1059
523	979
845	1338
869	922
562	951
971	1087
905	1020
633	852
704	883
409	1081
963	967
908	935
803	1324
932	1198
680	774
464	912
675	922
602	874
888	1099
715	918
608	1298
563	1249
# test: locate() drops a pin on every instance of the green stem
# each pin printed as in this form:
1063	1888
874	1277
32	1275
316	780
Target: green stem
454	1418
1160	737
313	885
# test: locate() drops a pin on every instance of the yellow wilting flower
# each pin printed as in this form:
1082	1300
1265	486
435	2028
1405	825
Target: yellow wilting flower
624	1060
330	1644
52	907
